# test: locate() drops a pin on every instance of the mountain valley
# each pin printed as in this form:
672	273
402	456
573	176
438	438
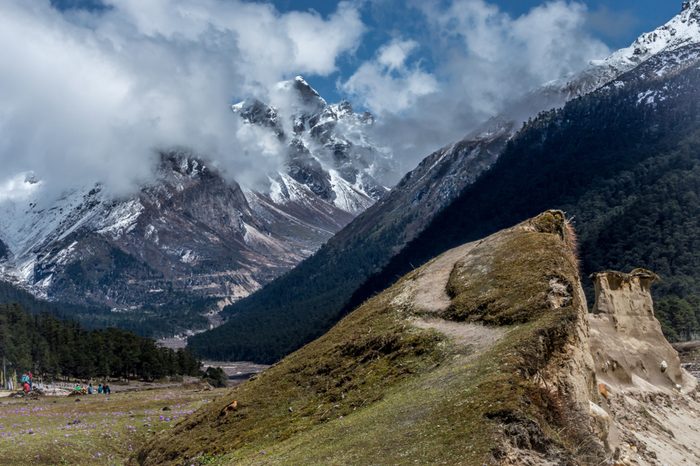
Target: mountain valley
205	262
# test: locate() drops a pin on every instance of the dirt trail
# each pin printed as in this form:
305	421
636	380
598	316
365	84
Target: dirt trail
427	294
463	333
429	289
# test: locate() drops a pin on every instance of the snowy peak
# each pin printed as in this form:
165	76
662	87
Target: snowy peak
255	112
690	5
681	30
329	152
299	95
191	234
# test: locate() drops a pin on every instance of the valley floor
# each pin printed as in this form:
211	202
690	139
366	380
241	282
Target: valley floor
95	430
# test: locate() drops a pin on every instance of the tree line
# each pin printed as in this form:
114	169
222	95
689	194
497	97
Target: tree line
54	348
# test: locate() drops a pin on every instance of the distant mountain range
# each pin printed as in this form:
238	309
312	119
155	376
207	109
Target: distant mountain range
637	103
193	239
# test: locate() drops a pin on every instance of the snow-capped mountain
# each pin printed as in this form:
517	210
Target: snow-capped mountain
328	149
191	233
671	40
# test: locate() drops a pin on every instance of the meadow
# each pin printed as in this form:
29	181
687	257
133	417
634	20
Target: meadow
97	430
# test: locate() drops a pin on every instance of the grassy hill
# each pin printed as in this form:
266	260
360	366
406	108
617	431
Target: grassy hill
445	367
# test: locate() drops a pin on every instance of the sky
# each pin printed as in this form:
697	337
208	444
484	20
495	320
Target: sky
91	89
616	22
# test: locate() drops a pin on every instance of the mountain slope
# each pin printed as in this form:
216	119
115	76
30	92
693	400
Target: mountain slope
316	293
192	238
430	371
622	161
485	355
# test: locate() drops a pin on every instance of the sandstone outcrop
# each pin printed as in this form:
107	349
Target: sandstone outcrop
628	345
649	412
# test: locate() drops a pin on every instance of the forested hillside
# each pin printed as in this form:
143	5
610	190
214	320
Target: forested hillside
148	322
55	348
623	161
625	167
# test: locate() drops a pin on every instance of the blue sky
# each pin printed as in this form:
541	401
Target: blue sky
616	22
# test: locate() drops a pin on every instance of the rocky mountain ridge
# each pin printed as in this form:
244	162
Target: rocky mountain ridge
193	237
328	149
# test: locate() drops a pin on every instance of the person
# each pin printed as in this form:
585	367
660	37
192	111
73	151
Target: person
31	380
24	383
107	390
90	390
99	389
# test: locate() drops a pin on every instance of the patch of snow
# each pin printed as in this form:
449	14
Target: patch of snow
188	257
122	219
646	97
44	283
63	256
681	30
347	196
152	234
276	192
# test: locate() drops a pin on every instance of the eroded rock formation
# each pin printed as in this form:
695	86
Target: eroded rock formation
648	411
628	345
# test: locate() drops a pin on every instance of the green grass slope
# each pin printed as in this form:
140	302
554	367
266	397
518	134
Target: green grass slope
381	389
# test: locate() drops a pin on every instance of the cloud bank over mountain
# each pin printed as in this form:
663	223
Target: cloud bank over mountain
483	58
91	94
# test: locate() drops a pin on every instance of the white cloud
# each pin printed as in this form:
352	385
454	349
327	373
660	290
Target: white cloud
484	59
90	96
394	54
18	188
388	84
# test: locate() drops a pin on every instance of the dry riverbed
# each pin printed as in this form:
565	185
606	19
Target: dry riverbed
97	429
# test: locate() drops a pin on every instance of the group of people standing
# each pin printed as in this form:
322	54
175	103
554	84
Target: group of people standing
27	384
100	389
90	390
